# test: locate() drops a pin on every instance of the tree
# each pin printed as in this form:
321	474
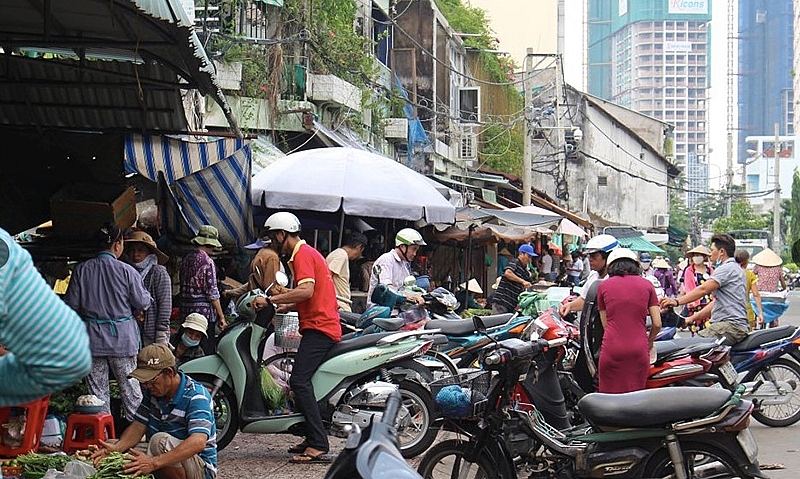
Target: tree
742	218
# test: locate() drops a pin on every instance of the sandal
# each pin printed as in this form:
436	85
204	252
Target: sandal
298	449
306	458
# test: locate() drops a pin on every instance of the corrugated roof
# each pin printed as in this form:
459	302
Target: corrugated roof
47	90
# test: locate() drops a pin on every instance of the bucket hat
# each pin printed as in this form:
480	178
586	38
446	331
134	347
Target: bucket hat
151	361
700	249
197	322
472	286
147	240
767	258
207	235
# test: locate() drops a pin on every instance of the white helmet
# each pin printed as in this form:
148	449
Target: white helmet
620	253
283	221
603	243
408	236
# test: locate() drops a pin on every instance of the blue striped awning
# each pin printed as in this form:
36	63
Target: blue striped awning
205	182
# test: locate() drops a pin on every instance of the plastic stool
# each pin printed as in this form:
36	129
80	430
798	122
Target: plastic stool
85	429
35	413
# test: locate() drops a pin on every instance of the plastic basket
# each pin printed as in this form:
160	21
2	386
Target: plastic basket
12	471
287	331
462	396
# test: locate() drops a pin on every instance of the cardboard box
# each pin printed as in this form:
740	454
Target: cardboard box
80	209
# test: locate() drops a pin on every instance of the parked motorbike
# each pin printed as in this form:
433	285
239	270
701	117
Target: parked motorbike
351	385
772	380
631	435
373	453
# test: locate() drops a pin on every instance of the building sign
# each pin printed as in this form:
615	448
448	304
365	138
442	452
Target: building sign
623	7
692	7
677	46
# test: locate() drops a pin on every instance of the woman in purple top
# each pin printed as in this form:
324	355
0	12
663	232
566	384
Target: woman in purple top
108	294
624	300
199	292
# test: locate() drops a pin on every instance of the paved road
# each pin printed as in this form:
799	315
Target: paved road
264	456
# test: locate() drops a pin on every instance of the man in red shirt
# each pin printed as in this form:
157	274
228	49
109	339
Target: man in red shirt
314	298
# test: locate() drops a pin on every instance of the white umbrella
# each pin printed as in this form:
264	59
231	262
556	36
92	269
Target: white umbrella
355	182
568	227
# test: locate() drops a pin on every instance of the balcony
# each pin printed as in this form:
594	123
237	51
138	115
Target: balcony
332	89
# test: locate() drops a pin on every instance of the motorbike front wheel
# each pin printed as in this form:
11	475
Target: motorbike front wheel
702	460
226	411
780	371
449	459
415	431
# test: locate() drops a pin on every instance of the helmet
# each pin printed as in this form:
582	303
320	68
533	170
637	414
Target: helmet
620	253
283	221
603	243
645	258
408	236
244	306
528	249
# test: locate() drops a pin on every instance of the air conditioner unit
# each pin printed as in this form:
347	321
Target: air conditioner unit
661	221
396	128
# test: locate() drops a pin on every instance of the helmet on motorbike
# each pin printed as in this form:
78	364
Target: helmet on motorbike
244	306
601	243
442	301
408	236
283	221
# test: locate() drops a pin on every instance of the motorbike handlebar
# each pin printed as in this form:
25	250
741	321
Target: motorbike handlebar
502	355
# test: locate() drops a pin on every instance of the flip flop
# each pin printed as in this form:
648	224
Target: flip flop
304	458
299	448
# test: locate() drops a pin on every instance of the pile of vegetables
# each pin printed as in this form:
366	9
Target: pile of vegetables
35	464
110	467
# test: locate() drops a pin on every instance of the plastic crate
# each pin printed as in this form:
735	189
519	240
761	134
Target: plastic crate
287	331
462	396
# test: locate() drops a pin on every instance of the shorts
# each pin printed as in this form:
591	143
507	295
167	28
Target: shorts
161	443
724	329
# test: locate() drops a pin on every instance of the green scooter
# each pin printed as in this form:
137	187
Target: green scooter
352	384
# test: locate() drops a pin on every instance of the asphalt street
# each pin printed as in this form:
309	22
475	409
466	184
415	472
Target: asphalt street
264	456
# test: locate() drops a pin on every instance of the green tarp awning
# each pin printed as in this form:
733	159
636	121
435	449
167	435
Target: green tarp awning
640	244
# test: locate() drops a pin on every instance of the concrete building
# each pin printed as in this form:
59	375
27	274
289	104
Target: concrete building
653	56
766	37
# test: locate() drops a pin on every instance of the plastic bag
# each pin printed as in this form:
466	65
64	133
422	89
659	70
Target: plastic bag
274	395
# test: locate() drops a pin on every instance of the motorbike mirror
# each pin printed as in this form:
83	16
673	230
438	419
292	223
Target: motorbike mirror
410	280
478	323
281	278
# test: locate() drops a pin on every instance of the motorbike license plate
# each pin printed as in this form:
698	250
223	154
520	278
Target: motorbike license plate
729	373
748	443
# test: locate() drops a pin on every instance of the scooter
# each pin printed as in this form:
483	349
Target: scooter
631	435
351	385
373	453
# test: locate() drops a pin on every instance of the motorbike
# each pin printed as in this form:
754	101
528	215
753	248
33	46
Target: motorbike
373	452
631	435
772	380
351	384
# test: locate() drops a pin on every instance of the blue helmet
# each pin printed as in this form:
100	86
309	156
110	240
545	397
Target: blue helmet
645	257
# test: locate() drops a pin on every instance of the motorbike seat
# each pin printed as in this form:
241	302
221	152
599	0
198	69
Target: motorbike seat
355	343
652	407
389	324
761	336
465	327
677	348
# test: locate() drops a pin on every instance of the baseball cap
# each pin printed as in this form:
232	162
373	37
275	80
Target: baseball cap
152	360
528	249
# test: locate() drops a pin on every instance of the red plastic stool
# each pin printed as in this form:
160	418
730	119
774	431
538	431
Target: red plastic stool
85	429
35	413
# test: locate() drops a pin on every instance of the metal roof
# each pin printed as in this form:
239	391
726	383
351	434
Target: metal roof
101	65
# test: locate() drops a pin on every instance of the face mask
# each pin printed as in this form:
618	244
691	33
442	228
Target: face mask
697	259
189	342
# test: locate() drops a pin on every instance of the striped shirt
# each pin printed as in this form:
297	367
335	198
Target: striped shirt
508	291
48	344
187	413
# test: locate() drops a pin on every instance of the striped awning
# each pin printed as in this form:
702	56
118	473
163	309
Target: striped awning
207	181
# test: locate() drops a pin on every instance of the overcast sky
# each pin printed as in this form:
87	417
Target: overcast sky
520	24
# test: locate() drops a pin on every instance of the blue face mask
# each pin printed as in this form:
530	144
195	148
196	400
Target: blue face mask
189	342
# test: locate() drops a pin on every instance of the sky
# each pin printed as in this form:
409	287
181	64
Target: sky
520	24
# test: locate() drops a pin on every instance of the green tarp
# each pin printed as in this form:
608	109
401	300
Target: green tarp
640	244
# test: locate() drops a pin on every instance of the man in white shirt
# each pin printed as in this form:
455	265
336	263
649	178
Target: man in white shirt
392	268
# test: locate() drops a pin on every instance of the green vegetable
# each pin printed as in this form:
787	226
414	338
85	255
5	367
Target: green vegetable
111	467
35	463
274	395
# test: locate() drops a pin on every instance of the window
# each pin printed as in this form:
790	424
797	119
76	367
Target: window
602	181
469	104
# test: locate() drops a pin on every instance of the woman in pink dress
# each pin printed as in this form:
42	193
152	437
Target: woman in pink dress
624	300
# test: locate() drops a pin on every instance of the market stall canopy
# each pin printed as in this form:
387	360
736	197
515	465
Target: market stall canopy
567	227
353	181
486	234
101	65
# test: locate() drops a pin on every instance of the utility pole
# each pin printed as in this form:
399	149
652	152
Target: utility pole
730	100
527	161
776	208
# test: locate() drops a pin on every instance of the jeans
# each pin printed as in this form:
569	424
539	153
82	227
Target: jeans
310	353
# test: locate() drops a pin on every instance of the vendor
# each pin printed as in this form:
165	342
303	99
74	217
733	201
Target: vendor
465	296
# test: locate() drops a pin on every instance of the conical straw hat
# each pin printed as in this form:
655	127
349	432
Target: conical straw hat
767	258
